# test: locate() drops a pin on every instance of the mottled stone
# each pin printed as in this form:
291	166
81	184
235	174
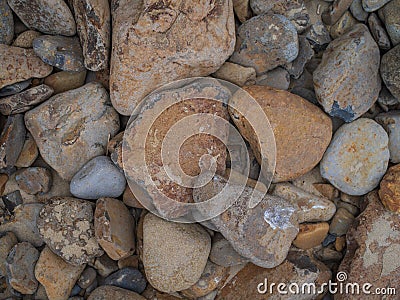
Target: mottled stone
107	292
20	268
29	152
300	143
236	74
389	14
373	248
18	64
391	123
223	254
295	11
66	225
25	39
47	16
34	180
277	78
357	157
105	265
311	235
7	242
25	100
171	41
378	32
353	61
341	222
262	234
327	190
336	10
354	210
296	67
390	73
12	140
242	9
57	276
260	7
373	5
127	278
98	178
62	52
182	262
389	191
318	36
93	25
68	146
15	88
343	25
87	277
114	228
265	42
358	11
6	24
64	81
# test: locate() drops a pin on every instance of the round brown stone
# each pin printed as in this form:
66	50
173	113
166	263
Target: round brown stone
311	235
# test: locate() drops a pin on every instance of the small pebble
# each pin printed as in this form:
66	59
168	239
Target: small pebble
341	222
378	32
358	11
64	81
242	9
327	190
329	239
354	210
343	25
296	67
129	279
277	78
328	255
88	276
295	10
15	88
262	6
340	243
373	5
28	154
34	180
129	262
336	10
25	39
236	74
105	265
311	235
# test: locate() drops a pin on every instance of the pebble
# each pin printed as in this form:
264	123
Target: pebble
130	200
378	32
327	190
93	20
318	36
57	276
69	147
340	243
273	220
358	11
64	81
127	278
29	152
170	43
391	123
7	242
329	239
22	64
336	10
389	191
311	208
87	277
373	5
295	11
357	157
25	100
389	14
105	265
23	224
386	99
311	235
242	9
300	143
12	141
343	25
15	88
353	200
354	210
296	67
62	52
265	42
114	228
21	266
277	78
66	225
98	178
47	16
260	7
373	247
223	254
112	292
7	24
183	262
130	261
25	39
34	180
390	64
341	222
353	60
328	255
236	74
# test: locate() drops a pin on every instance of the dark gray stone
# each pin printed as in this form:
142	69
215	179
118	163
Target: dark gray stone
358	11
373	5
7	23
129	279
15	88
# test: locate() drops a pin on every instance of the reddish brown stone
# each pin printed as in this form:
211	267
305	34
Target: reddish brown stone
389	191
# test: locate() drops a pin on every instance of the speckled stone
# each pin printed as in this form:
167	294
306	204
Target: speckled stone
91	120
183	262
223	254
389	191
260	7
64	81
66	225
107	292
373	5
335	11
389	14
343	25
295	11
47	16
391	123
390	73
6	24
265	42
34	180
62	52
358	11
357	157
127	278
353	61
379	32
171	41
12	140
98	178
25	39
18	64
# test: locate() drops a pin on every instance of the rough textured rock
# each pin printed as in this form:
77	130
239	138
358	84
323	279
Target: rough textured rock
373	246
7	242
277	78
93	25
62	52
260	7
87	277
183	262
358	11
300	143
34	180
57	276
347	81
341	222
390	121
15	88
29	152
12	140
105	265
66	147
262	234
311	235
390	70
25	100
335	11
64	81
25	39
236	74
66	225
296	67
223	254
389	191
47	16
389	14
185	102
242	9
378	32
343	25
171	41
295	11
127	278
18	64
373	5
106	292
7	24
98	178
114	228
357	157
20	268
265	42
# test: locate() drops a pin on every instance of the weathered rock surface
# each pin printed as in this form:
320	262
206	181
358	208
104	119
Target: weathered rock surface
12	140
7	24
127	278
390	70
29	152
389	14
7	242
64	81
26	38
223	254
389	191
106	292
